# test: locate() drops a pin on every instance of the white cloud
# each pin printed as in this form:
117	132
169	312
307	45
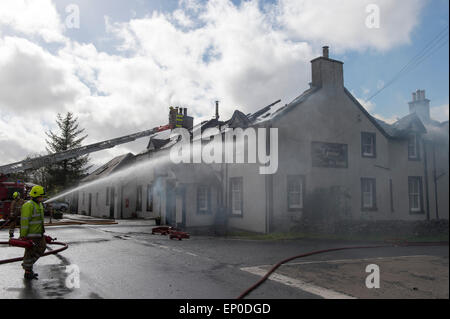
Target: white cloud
32	17
32	79
368	105
439	113
389	120
341	24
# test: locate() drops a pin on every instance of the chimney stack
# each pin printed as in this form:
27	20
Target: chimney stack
327	73
217	110
325	52
420	105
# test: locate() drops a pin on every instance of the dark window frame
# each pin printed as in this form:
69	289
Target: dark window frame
208	210
374	194
421	210
290	178
107	196
374	136
241	181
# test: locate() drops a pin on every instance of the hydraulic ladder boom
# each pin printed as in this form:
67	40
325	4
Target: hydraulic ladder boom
50	159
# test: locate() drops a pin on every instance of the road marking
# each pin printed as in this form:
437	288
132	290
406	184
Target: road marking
296	283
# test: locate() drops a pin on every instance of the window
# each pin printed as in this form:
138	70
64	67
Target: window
96	199
368	194
368	144
107	196
149	198
413	147
236	198
139	198
295	188
415	194
203	200
83	198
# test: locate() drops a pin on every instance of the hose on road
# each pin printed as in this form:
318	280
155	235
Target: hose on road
267	275
51	252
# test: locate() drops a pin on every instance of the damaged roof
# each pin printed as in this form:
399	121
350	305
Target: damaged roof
112	166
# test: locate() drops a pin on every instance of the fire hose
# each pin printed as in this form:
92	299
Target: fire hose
267	275
26	243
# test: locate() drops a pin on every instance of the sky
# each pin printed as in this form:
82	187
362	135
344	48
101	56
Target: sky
118	65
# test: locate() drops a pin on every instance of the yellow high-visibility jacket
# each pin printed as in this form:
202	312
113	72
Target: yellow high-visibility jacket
32	219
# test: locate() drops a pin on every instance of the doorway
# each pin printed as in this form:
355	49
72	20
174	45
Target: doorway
111	203
170	204
90	205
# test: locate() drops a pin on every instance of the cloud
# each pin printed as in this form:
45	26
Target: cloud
368	105
342	24
32	17
439	113
32	79
389	120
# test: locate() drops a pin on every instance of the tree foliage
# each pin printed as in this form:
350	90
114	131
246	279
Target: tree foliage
66	173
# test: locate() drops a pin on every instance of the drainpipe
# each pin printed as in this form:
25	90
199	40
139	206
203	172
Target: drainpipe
435	181
425	164
269	188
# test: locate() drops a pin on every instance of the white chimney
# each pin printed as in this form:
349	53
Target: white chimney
420	105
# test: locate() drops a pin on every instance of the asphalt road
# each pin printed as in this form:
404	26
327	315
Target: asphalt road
126	261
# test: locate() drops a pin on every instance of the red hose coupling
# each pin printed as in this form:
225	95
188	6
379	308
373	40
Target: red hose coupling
49	239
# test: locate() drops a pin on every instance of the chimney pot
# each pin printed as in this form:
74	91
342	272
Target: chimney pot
325	52
217	110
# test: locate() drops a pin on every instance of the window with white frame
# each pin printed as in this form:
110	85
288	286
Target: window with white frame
295	188
368	194
413	147
236	196
368	144
415	194
202	199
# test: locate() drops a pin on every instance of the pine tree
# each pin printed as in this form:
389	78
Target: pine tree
67	173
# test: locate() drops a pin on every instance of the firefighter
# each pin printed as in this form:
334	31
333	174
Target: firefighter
14	213
32	227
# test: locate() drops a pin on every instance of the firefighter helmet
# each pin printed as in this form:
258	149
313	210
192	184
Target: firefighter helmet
16	194
37	191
